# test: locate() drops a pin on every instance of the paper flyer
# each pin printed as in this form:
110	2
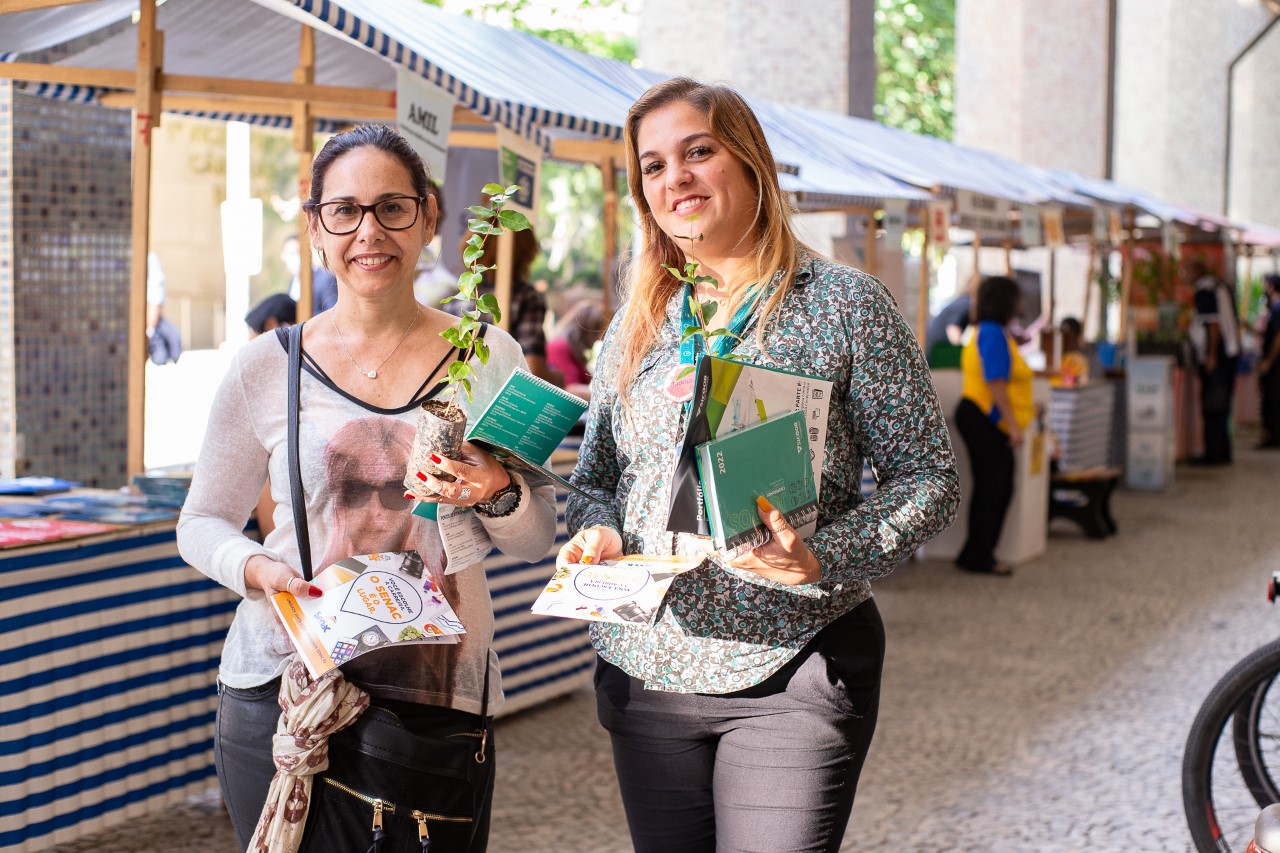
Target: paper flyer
369	601
627	590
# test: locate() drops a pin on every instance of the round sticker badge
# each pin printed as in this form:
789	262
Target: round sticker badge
679	388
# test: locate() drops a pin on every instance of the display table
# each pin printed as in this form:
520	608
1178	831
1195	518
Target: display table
1025	527
109	649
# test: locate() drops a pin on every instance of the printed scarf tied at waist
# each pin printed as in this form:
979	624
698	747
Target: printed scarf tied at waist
311	711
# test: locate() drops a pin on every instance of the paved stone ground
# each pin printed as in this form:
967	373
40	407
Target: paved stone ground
1045	713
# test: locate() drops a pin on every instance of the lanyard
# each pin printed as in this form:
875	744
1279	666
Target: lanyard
720	345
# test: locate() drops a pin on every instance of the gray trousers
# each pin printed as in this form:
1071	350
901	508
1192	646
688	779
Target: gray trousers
771	768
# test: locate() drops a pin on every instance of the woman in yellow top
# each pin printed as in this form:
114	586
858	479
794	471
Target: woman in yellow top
995	408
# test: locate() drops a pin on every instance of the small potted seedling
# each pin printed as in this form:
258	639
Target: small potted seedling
442	423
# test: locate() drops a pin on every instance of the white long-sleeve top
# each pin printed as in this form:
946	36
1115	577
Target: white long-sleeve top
353	460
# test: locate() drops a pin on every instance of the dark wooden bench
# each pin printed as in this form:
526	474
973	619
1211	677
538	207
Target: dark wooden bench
1085	497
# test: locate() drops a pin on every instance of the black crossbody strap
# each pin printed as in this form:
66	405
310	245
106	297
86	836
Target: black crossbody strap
296	495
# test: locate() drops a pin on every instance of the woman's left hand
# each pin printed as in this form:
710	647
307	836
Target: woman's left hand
478	475
784	558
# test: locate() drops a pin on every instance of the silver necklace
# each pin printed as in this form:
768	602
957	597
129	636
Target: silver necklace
373	374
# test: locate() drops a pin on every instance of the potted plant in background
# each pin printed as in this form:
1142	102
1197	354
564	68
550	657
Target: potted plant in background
442	423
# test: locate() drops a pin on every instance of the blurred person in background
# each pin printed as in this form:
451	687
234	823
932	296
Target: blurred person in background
1269	364
569	349
528	310
324	284
995	407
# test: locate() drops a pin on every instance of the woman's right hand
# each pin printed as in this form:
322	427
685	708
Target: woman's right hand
592	545
272	576
1015	435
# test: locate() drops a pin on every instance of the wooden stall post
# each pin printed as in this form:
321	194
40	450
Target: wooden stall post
609	177
1126	277
502	288
1008	258
303	129
1089	282
1053	286
870	245
146	117
922	298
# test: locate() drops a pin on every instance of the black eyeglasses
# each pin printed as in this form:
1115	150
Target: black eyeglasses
395	214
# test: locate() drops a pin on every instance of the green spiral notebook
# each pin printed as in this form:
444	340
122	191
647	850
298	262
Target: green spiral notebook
768	459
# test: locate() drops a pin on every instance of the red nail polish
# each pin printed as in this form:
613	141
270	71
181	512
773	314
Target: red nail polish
409	495
422	476
315	592
436	459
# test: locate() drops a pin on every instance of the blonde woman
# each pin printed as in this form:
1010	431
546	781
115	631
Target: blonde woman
741	717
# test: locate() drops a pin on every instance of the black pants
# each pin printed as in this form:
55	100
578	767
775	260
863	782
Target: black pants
246	722
774	767
1216	390
991	459
1270	386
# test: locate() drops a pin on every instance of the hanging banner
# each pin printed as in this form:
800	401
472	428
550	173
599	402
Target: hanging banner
424	115
894	222
1029	225
1101	225
939	225
1055	234
1169	237
519	162
986	215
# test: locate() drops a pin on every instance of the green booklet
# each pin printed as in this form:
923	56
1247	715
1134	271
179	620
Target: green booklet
526	421
768	459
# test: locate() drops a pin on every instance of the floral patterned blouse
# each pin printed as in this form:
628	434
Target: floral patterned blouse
722	629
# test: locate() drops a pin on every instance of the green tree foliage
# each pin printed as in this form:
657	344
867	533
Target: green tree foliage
916	54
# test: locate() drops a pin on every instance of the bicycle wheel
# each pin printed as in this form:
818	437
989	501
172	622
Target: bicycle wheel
1218	788
1256	727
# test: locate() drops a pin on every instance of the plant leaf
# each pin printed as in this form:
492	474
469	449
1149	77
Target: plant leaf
469	280
488	303
459	371
481	211
471	254
482	352
512	190
514	219
685	371
466	386
453	336
492	189
709	310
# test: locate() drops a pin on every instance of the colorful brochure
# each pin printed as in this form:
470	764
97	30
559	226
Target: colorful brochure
370	601
523	425
728	396
627	590
769	459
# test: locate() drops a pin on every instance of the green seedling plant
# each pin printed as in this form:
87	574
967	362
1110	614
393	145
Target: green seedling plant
489	220
702	311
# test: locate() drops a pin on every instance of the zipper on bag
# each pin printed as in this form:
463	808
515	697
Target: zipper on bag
381	807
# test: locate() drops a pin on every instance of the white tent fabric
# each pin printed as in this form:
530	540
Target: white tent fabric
42	35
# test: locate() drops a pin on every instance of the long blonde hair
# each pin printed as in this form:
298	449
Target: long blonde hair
649	287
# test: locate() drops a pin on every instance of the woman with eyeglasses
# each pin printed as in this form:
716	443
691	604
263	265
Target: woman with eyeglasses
368	363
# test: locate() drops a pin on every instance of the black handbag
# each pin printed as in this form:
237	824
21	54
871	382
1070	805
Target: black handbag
388	788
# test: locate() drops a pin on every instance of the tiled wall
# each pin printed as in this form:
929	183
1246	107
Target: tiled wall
64	288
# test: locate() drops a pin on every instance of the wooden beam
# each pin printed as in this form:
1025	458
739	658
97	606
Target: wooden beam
37	72
9	7
146	110
586	150
276	91
303	133
609	179
256	106
472	139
